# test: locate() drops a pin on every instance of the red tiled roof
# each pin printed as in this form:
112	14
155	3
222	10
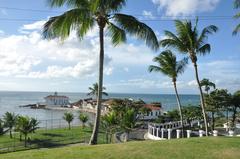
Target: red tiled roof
152	107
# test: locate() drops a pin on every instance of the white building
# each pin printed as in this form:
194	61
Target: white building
154	113
56	100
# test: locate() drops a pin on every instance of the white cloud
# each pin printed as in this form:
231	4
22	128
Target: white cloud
29	56
185	7
148	14
126	69
192	83
4	12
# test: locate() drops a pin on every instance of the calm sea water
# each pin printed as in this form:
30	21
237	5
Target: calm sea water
10	101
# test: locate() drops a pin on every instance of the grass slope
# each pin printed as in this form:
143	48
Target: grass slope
194	148
48	138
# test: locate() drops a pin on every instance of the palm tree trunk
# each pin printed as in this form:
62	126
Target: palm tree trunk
10	132
179	106
25	140
94	136
213	121
234	116
201	98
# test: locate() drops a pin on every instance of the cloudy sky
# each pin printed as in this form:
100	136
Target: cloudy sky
29	63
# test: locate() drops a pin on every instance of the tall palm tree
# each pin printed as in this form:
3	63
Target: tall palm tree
10	121
94	90
187	40
207	84
236	5
168	65
68	117
82	16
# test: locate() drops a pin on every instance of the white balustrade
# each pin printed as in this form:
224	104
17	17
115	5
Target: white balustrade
189	133
162	131
215	133
178	133
169	133
201	132
157	132
231	133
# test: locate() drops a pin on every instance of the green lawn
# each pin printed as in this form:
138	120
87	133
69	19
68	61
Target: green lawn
48	138
194	148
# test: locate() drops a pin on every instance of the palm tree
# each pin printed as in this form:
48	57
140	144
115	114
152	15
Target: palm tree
168	65
207	84
83	118
235	105
187	40
26	125
68	116
94	90
10	121
128	121
237	5
83	16
2	127
110	122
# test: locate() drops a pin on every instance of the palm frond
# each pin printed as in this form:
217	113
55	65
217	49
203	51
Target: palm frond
117	34
134	27
172	43
61	26
205	32
181	65
167	64
206	48
236	30
70	3
153	68
237	16
237	4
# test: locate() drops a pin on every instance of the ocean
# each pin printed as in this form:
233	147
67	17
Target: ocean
10	101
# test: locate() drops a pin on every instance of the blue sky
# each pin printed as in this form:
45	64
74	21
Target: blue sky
29	63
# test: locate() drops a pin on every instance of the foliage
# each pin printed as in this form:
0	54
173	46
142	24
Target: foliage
207	84
188	40
129	120
235	103
94	90
173	115
123	105
83	118
68	116
2	127
110	123
168	65
236	6
215	101
191	112
26	125
10	121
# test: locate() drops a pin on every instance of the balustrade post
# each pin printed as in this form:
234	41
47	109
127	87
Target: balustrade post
189	133
162	131
201	132
178	133
169	134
